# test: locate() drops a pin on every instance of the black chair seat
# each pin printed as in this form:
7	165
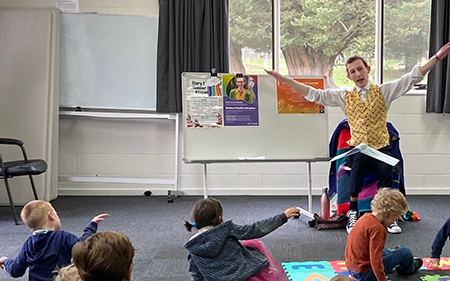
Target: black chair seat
24	167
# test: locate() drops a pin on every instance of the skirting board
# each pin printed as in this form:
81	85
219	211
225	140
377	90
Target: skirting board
162	191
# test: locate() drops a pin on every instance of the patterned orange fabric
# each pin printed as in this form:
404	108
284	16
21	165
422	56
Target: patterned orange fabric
367	120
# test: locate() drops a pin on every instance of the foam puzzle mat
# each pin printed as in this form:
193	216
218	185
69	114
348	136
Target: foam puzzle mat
325	270
435	278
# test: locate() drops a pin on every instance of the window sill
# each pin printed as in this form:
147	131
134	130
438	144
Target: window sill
417	92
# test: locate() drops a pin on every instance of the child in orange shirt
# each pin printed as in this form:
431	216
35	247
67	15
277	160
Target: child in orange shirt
365	255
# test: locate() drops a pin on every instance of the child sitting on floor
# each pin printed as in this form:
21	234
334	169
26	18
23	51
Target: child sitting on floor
215	252
49	247
104	256
438	244
365	255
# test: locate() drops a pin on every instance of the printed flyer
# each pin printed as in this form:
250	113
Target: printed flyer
290	102
204	104
240	100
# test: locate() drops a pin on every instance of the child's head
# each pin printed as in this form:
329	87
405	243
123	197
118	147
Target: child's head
390	203
205	212
38	214
68	273
340	278
104	256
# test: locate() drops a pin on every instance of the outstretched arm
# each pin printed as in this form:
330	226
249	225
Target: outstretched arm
263	227
15	267
438	243
440	55
296	86
91	228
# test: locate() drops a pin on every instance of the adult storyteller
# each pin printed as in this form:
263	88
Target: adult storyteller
366	106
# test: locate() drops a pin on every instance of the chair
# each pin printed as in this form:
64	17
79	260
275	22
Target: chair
25	167
339	176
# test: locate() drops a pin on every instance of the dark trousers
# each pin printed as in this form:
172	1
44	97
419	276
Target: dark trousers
391	258
361	164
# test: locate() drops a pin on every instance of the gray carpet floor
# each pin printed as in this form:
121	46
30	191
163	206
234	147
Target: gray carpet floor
157	232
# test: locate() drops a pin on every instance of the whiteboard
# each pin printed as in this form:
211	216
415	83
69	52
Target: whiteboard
276	137
108	61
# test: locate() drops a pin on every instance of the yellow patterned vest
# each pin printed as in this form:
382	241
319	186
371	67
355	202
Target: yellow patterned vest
367	120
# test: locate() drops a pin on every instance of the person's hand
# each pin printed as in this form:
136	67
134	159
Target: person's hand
434	263
443	52
100	218
292	212
2	262
275	74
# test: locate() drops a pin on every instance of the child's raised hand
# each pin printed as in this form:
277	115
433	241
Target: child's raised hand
434	263
292	212
2	262
100	218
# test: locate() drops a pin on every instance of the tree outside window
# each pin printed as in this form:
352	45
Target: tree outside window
317	36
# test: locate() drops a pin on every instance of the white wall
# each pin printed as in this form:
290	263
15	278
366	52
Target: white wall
146	148
116	7
90	147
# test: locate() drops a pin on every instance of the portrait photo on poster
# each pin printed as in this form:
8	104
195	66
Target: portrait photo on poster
240	100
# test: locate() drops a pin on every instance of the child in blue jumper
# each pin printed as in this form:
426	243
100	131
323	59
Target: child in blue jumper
49	247
438	244
215	252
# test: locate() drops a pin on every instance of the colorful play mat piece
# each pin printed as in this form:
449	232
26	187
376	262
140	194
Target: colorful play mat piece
435	278
325	270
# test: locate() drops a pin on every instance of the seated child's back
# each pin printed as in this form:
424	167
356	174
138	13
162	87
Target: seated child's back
215	252
48	247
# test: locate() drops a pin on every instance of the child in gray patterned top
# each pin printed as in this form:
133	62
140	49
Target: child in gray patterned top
215	252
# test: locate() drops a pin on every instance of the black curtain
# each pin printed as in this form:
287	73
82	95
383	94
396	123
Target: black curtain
192	37
438	87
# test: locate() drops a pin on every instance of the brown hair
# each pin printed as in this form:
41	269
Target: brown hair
34	212
354	58
205	212
67	273
389	201
104	256
340	278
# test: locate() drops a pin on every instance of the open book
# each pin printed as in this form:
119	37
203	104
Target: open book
369	151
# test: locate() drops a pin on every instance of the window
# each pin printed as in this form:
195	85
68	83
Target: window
406	36
250	36
316	36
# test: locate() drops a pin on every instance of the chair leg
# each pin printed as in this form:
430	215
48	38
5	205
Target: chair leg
11	202
33	187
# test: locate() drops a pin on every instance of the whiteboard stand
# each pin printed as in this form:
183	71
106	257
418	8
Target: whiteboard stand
131	115
308	214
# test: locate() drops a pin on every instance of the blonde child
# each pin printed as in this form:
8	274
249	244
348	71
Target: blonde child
67	273
215	252
104	256
438	244
48	247
340	278
365	255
